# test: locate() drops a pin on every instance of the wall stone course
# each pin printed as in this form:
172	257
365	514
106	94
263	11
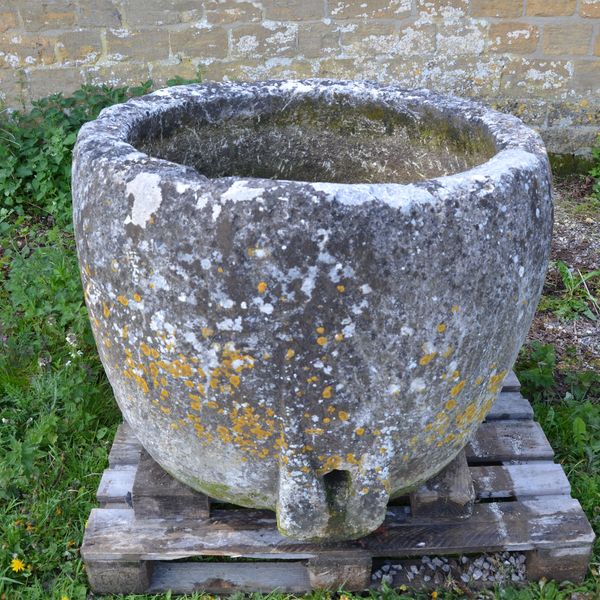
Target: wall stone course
294	10
54	14
193	42
539	59
8	20
515	37
222	12
571	38
551	8
370	9
100	13
590	8
146	45
497	8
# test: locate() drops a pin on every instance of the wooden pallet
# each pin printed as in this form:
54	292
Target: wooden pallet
147	522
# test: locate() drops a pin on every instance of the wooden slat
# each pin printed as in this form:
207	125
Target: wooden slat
448	494
511	383
218	578
520	481
550	521
158	494
508	441
510	405
116	486
125	449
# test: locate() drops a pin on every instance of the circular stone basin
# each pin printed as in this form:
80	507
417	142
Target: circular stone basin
306	295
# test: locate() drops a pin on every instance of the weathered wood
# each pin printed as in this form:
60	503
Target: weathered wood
224	578
508	441
157	494
563	564
521	525
337	570
122	577
127	550
511	383
449	494
116	486
520	481
510	405
126	448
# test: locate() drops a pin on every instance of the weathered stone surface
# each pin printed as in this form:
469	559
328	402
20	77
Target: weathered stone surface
567	39
551	8
307	294
496	8
521	38
199	42
370	9
590	8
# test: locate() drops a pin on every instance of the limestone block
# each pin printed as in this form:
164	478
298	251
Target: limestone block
551	8
571	38
520	38
497	8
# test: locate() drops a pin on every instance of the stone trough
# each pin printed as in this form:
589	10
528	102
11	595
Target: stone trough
306	295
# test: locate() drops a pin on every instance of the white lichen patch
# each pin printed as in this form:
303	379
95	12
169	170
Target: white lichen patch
147	198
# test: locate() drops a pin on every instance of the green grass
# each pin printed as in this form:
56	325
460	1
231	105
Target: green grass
57	410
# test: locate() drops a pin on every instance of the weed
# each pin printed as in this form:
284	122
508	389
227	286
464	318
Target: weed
595	171
577	296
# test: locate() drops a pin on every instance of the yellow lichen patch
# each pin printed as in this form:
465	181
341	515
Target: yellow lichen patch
123	300
327	392
235	381
321	340
425	360
330	464
125	332
467	416
441	328
495	382
457	388
339	337
455	308
164	393
359	431
479	381
207	332
314	431
137	297
151	286
320	330
312	379
290	354
224	434
166	410
343	415
261	287
105	310
220	270
145	349
304	469
340	288
448	352
455	374
326	420
450	404
376	432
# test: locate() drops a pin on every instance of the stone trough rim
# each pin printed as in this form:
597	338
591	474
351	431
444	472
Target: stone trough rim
104	143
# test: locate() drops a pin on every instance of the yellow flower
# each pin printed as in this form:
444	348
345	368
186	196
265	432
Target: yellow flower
64	597
434	595
17	565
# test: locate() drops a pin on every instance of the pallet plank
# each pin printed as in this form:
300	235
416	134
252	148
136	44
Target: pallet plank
217	578
116	486
157	494
510	405
508	441
520	481
448	494
549	521
126	448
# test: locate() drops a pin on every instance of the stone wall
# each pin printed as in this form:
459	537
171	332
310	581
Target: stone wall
539	59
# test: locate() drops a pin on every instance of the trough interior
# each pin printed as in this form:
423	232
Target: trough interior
305	139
